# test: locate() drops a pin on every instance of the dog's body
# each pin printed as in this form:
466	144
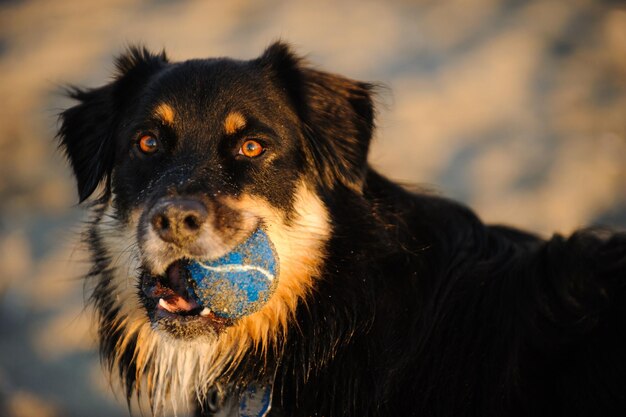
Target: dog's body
388	303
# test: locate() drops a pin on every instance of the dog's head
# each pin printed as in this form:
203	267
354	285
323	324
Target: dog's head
192	158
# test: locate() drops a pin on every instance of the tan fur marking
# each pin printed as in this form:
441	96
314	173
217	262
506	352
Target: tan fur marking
166	113
300	247
234	122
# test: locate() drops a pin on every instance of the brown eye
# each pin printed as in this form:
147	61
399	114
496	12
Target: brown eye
148	144
251	148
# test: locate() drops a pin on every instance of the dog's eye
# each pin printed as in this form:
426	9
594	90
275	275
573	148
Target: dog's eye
251	149
148	144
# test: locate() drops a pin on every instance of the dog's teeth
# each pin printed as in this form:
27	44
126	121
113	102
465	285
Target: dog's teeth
205	312
165	305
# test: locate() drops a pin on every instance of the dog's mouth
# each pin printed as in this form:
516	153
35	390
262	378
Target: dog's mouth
170	297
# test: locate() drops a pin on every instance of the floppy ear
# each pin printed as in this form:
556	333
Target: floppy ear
337	115
87	132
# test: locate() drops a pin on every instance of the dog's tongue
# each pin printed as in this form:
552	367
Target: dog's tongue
174	298
177	304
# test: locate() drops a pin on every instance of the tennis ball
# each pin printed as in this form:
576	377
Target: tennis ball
240	282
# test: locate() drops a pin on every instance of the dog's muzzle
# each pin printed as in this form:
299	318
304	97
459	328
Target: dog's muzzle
199	275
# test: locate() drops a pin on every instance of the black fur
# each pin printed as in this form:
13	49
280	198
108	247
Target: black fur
420	309
87	131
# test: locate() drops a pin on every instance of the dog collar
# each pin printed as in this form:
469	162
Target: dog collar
256	401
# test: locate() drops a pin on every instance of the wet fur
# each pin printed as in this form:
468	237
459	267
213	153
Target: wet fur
398	303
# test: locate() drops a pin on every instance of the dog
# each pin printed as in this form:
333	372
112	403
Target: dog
385	302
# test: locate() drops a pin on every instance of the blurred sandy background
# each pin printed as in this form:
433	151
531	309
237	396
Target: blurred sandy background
517	108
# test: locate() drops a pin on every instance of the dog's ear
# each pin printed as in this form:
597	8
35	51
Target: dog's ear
87	131
337	115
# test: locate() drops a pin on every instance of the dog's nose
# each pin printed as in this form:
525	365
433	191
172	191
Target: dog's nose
178	220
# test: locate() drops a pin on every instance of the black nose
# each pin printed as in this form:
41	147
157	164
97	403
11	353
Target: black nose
178	220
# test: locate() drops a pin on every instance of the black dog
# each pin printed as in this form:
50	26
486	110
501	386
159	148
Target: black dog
388	303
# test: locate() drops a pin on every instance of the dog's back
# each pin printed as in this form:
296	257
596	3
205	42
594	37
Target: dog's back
504	322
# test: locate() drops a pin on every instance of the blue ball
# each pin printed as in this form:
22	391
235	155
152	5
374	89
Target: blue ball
240	282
